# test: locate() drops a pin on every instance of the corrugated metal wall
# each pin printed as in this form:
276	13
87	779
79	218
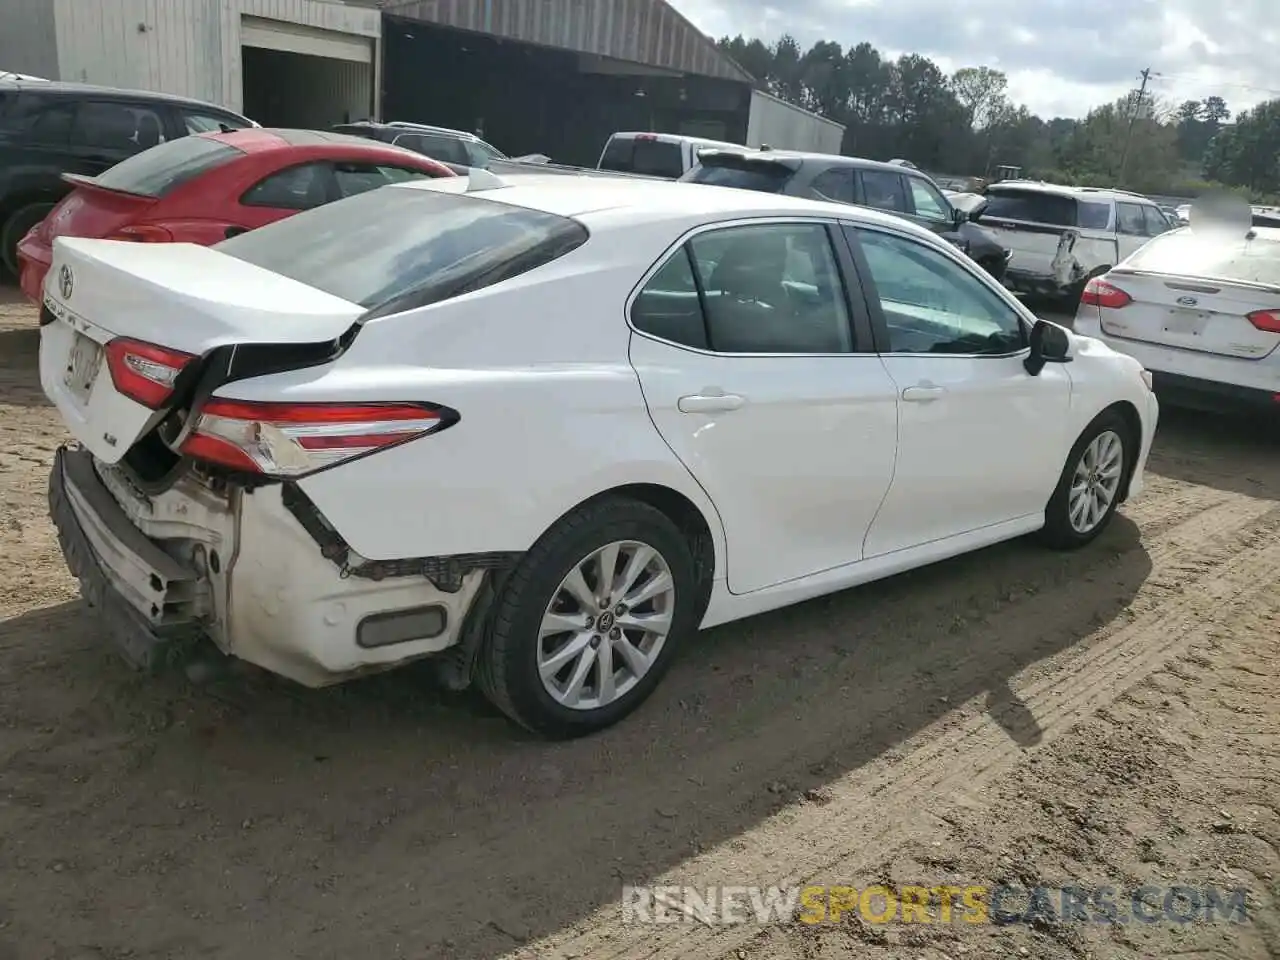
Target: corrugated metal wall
642	31
185	47
28	42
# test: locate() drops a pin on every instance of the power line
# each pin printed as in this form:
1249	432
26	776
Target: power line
1133	115
1219	84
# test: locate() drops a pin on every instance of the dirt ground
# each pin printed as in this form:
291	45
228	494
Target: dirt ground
1016	716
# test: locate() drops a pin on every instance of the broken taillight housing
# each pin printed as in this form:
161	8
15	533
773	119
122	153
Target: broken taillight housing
294	439
144	372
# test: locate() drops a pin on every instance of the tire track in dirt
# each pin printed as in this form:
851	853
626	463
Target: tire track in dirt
1225	553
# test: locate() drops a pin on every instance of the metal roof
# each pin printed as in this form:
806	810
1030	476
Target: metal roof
649	32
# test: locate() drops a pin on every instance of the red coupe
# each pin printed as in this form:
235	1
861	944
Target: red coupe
206	188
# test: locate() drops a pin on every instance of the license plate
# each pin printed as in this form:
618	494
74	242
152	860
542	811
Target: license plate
1186	322
82	366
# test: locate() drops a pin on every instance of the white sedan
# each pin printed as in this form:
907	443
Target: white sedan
1201	310
543	430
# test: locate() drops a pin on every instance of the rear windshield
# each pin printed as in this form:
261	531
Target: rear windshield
1186	254
1052	209
155	172
656	158
396	248
765	177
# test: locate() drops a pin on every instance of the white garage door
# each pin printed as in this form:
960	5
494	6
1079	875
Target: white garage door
296	38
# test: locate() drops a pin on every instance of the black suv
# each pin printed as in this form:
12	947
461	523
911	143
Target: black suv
49	128
895	187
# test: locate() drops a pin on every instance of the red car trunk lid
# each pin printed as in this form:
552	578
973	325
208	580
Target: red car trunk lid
92	211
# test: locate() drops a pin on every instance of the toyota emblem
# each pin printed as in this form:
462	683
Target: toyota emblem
66	282
1188	301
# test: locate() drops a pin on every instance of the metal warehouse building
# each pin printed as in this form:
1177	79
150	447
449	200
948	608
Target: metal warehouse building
530	76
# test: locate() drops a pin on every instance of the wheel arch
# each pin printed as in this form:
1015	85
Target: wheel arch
1127	412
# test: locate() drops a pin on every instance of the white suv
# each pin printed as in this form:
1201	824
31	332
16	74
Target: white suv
1061	237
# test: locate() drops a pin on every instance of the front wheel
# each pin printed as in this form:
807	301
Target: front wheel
1088	491
588	622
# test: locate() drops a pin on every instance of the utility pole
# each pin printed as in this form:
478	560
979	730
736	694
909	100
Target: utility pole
1133	115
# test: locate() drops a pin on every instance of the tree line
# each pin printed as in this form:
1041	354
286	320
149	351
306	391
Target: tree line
966	125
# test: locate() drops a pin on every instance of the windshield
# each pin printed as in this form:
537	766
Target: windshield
154	172
1212	257
765	177
404	246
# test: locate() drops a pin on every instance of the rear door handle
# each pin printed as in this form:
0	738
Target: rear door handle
922	394
710	403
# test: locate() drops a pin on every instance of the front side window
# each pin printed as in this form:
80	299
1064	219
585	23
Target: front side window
932	304
444	149
884	191
768	288
930	204
1156	221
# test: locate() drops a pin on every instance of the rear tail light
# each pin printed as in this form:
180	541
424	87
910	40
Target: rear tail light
1099	293
1268	321
144	372
142	233
293	439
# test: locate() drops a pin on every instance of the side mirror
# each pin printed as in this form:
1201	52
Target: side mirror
1049	344
959	217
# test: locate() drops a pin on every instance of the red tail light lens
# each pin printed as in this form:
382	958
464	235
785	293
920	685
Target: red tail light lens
143	233
1268	321
1100	293
293	439
144	372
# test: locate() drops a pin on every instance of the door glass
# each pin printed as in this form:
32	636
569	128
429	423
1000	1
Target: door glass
1129	220
931	304
669	307
929	202
207	123
356	178
296	188
772	288
835	184
44	121
1155	220
444	149
884	191
116	127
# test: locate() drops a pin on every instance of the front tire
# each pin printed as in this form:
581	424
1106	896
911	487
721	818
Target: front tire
587	624
1088	490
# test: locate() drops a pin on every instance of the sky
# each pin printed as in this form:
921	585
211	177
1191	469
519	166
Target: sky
1062	57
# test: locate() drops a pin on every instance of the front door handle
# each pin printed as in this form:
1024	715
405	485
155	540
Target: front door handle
922	394
710	403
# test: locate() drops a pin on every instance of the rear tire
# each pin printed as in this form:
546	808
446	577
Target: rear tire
1089	488
15	228
542	641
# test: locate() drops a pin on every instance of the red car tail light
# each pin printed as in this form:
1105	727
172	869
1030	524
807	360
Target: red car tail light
1099	293
142	233
1268	321
144	372
293	439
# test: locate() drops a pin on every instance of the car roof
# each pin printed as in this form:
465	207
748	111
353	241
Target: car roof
404	126
63	88
259	139
1077	193
651	200
835	159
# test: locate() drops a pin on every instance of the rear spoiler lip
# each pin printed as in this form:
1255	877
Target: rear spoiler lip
80	180
722	157
1222	281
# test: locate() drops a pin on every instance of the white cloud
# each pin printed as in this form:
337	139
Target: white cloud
1062	56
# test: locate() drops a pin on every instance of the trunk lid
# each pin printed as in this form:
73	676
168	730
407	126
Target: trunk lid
1208	316
178	296
91	211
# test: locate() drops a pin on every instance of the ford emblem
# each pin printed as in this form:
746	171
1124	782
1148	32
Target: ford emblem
66	282
1188	301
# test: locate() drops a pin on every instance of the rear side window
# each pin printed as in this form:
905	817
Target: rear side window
111	125
835	184
646	155
1033	206
884	191
400	248
444	149
1093	215
161	169
763	177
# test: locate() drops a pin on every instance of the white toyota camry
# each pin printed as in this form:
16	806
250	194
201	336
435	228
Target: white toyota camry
544	429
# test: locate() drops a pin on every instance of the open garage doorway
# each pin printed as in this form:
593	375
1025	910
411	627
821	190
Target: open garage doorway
295	76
